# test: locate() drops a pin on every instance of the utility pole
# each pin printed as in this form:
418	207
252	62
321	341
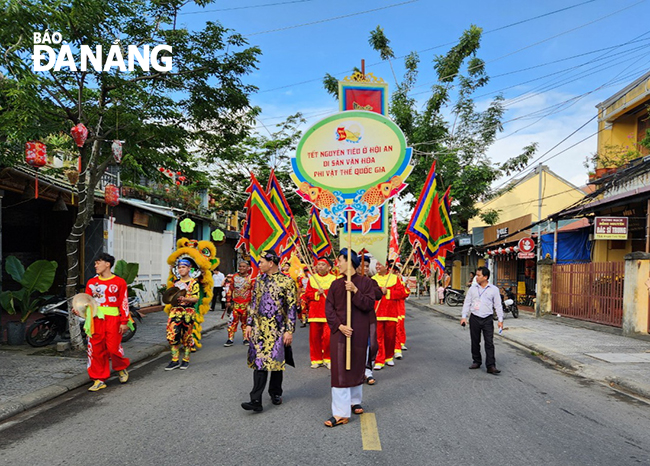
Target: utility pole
539	213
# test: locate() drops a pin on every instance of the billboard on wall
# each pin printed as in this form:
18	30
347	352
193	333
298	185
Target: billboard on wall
615	228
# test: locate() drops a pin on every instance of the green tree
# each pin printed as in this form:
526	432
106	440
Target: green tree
449	128
179	119
260	154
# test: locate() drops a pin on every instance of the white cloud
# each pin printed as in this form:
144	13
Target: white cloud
548	132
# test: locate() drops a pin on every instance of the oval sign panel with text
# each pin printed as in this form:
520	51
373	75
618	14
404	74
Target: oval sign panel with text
350	152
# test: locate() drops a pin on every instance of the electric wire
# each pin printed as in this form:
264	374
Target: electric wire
243	7
330	19
423	50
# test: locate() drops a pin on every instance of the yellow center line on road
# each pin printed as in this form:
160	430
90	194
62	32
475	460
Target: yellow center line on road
369	432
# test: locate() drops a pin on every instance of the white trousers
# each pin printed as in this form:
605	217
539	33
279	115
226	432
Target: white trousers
344	398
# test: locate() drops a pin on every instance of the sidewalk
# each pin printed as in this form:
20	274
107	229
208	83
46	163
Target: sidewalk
31	376
593	351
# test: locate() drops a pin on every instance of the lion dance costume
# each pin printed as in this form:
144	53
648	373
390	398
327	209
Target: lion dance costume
186	321
239	291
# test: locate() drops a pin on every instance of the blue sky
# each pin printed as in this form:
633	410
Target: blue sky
295	59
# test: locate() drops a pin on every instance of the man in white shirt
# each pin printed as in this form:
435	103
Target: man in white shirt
218	278
481	300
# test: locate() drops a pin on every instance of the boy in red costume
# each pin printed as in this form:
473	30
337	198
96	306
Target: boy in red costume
393	290
107	327
314	297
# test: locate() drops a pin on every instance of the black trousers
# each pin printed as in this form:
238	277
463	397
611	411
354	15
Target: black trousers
485	325
216	298
259	383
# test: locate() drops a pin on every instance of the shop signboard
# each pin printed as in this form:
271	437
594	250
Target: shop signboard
614	228
526	248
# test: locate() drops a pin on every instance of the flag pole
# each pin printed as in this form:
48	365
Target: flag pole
348	340
304	250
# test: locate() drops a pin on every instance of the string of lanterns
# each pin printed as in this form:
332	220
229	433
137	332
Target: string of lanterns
36	157
502	251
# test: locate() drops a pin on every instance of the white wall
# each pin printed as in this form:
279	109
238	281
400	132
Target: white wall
149	249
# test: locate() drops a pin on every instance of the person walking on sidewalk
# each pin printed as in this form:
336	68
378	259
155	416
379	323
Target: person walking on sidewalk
182	317
238	296
218	278
269	329
481	300
107	327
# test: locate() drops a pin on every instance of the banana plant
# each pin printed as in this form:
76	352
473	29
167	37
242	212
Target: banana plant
35	280
129	272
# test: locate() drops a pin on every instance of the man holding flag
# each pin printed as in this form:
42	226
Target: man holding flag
387	310
315	295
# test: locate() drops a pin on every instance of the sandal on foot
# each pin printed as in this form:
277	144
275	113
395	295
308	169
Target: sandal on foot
371	381
357	409
332	422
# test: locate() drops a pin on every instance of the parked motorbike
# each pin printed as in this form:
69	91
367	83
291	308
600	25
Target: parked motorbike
55	322
454	297
509	304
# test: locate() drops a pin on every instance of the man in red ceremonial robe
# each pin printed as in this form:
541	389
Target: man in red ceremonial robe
347	384
105	338
400	332
314	297
239	288
393	290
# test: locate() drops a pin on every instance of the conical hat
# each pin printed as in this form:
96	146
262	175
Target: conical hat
81	302
171	295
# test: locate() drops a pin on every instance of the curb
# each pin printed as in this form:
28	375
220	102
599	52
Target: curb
23	403
629	386
560	360
557	358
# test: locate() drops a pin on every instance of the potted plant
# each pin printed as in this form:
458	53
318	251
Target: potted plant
35	280
160	290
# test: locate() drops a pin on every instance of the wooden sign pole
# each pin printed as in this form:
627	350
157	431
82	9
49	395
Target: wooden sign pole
348	340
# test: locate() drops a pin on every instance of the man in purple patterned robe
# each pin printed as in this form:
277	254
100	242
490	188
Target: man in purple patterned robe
269	328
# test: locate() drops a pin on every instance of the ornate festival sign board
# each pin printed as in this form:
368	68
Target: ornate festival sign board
367	92
351	161
363	92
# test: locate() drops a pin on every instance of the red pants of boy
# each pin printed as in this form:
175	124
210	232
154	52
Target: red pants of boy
385	341
105	344
400	335
237	317
319	342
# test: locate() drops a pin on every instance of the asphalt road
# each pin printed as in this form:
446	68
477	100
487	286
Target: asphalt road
429	410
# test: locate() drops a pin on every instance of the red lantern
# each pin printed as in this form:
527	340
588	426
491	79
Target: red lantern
79	134
36	156
181	178
112	195
116	147
161	169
